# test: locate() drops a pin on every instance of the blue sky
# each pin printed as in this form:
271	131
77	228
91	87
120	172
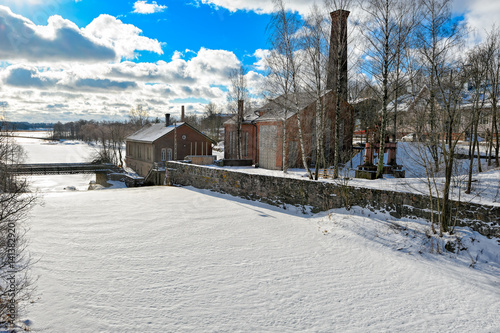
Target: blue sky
180	25
63	60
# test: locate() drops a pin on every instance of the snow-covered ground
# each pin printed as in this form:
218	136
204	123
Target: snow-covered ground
169	259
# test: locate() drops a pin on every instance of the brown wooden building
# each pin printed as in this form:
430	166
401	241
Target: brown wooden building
165	142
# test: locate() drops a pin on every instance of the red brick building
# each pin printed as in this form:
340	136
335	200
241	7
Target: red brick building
164	142
264	144
248	137
262	132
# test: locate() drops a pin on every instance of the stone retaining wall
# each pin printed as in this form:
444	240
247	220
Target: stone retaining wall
322	196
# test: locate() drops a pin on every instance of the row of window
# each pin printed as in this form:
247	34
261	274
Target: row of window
145	152
166	154
140	151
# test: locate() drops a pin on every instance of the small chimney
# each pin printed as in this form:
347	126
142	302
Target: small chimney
182	114
337	61
240	109
167	119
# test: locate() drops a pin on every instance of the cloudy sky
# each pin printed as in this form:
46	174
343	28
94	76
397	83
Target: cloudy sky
63	60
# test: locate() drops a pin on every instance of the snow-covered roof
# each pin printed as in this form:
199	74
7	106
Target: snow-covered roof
275	109
249	116
407	102
152	132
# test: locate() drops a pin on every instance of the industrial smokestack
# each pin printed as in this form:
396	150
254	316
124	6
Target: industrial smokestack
167	119
182	114
337	62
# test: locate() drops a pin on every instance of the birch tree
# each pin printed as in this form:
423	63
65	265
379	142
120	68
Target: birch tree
237	97
493	76
284	26
477	61
439	39
380	31
316	50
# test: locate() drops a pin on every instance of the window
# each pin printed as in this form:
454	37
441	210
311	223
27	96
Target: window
169	154
246	144
163	154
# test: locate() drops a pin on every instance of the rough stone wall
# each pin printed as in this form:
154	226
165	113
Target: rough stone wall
321	196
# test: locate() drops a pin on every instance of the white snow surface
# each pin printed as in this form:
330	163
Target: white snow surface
170	259
42	151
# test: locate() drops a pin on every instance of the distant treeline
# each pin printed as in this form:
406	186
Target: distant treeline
25	126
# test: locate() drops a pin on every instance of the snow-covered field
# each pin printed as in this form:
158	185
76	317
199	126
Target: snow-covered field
169	259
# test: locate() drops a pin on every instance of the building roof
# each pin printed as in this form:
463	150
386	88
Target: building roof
153	132
248	117
275	109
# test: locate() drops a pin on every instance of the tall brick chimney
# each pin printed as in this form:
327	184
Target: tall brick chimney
167	119
338	53
182	114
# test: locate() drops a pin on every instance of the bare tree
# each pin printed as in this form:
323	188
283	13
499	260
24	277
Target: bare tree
139	116
278	82
437	36
386	31
477	62
212	121
284	26
407	18
16	286
237	96
316	49
438	40
493	50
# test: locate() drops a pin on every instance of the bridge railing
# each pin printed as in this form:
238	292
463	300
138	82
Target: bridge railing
60	168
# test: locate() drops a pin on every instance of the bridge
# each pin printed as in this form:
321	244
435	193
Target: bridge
61	168
103	172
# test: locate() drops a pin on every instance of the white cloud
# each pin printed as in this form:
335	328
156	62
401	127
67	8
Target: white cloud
142	7
27	77
24	2
109	90
124	38
105	39
59	40
259	6
177	55
480	15
261	56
